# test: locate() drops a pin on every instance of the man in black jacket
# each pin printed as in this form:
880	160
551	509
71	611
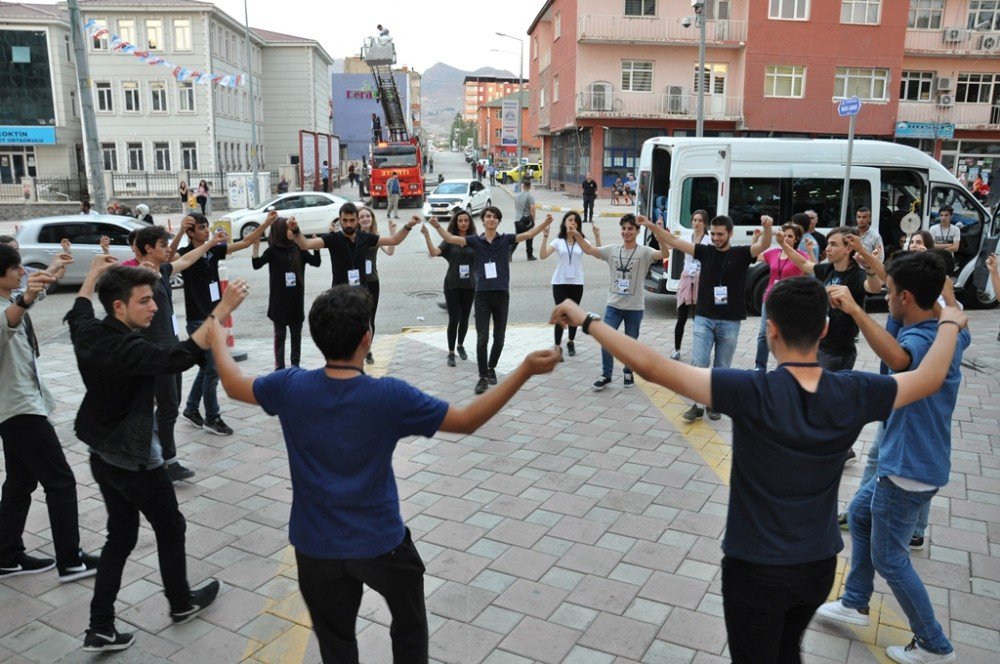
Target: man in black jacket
119	368
589	187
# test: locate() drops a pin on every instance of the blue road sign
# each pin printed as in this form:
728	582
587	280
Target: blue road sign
849	106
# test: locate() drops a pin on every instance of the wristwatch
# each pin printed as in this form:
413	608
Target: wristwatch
19	301
591	317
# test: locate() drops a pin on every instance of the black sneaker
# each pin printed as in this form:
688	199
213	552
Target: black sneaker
713	415
601	383
491	376
176	472
461	352
693	413
532	258
629	379
369	359
851	458
842	520
218	427
482	385
194	417
201	599
100	641
570	348
451	359
25	564
917	543
87	566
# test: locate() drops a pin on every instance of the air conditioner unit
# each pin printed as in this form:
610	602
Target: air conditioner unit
953	35
946	100
944	83
600	94
675	99
990	42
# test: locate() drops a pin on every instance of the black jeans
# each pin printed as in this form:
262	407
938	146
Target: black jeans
768	607
332	591
529	247
832	362
588	209
295	331
373	290
168	399
490	304
34	456
459	302
683	312
560	293
126	494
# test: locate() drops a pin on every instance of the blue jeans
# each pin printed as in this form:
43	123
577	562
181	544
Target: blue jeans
723	334
882	517
614	317
760	361
871	465
206	382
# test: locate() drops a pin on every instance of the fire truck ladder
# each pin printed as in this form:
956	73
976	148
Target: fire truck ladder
380	56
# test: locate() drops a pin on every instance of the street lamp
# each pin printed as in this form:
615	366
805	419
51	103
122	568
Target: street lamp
254	194
699	20
520	91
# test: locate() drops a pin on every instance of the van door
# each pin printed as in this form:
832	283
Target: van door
818	187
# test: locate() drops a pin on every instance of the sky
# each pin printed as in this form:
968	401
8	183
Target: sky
457	32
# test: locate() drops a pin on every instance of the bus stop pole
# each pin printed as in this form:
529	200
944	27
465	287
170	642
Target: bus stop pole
846	191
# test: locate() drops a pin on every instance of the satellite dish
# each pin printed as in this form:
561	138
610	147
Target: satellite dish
910	224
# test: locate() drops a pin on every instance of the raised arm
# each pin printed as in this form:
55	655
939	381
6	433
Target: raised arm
764	241
875	274
528	234
661	235
100	263
37	283
390	250
191	257
445	235
927	378
993	264
400	235
253	237
587	247
807	266
670	240
301	240
546	250
237	385
186	224
692	382
881	341
432	251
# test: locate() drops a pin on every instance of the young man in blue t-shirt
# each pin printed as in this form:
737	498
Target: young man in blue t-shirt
913	464
791	428
341	428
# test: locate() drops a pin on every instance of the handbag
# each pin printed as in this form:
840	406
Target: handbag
524	224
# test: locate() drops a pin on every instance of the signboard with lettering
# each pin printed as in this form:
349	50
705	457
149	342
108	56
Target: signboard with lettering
849	106
945	130
27	135
508	114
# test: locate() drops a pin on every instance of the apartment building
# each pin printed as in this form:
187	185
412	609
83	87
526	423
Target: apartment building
613	73
489	126
483	89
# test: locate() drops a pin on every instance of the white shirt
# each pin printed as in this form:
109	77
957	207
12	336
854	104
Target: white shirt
942	236
570	267
692	266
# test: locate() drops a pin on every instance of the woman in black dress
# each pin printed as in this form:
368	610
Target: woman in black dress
286	264
368	224
459	281
202	196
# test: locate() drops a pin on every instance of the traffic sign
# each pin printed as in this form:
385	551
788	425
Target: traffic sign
849	106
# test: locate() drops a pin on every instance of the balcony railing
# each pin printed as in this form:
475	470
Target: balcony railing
650	105
964	116
658	30
953	41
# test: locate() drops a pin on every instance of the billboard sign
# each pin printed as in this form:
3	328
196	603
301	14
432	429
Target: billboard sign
508	114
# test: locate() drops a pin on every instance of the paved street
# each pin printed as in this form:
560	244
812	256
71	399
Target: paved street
574	527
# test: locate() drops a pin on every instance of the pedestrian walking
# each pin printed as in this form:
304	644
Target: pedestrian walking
459	280
324	174
491	171
185	195
475	169
492	250
687	289
780	267
346	525
393	191
480	171
363	179
368	224
202	196
524	218
430	163
589	187
142	213
567	280
425	163
791	428
721	305
352	175
286	267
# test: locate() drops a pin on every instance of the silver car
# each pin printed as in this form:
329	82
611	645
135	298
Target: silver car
39	240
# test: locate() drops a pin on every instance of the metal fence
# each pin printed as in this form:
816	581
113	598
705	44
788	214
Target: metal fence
59	190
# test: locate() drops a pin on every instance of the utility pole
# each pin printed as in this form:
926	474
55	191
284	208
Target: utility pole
699	10
91	144
520	91
254	197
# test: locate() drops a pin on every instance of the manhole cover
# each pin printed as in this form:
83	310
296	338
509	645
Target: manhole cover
424	295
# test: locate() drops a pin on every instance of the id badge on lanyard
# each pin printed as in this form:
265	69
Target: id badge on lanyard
721	294
491	270
354	277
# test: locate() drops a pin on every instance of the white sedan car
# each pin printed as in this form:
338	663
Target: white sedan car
451	195
314	210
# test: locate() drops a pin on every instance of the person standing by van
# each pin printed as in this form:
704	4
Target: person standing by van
687	290
946	235
870	238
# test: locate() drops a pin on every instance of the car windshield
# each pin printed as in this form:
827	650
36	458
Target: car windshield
268	202
452	188
394	156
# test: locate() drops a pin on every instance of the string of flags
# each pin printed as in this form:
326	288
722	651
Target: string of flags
119	45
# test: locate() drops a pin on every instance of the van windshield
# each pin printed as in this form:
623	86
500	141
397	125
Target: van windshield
388	157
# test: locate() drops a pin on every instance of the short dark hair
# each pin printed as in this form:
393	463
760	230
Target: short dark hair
946	208
7	239
863	209
453	224
628	218
9	257
722	220
802	219
797	230
118	281
798	307
526	184
922	273
148	237
131	236
339	319
842	230
348	208
946	258
494	209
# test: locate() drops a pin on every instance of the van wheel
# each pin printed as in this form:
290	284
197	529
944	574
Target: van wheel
978	299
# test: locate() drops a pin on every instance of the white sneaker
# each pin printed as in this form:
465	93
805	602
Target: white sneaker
912	653
836	610
675	355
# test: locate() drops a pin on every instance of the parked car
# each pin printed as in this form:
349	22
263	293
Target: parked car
314	210
508	175
40	240
452	195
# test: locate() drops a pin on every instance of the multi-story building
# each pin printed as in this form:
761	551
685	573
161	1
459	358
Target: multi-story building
352	86
612	73
489	126
482	89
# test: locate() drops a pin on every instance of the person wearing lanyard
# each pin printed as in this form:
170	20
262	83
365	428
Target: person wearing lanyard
459	281
368	224
567	281
687	290
721	295
492	284
781	268
629	262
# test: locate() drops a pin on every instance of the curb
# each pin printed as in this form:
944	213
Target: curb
562	208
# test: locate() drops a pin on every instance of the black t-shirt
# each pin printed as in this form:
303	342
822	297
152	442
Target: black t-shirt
788	456
346	255
162	326
589	189
722	268
820	240
286	276
198	280
457	257
839	339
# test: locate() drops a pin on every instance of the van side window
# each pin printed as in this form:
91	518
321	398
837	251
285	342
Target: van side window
698	193
823	196
749	198
966	213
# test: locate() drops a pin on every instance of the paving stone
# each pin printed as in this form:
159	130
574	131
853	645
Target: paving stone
603	594
458	643
655	556
532	598
661	652
459	601
457	566
498	620
695	630
524	563
542	641
590	560
573	616
454	535
518	533
621	636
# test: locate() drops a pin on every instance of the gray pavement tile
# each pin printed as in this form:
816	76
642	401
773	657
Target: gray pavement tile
455	535
581	655
498	620
672	589
534	599
457	565
562	578
495	582
574	616
518	533
655	556
661	652
217	646
523	563
694	630
578	530
454	509
539	640
458	643
459	601
620	636
698	523
603	594
590	560
571	504
630	574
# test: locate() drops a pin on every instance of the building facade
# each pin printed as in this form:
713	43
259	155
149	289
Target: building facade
612	73
489	125
355	98
482	89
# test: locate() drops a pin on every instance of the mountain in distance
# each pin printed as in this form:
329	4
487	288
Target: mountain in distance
443	94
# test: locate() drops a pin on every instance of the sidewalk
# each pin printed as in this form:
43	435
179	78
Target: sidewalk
555	201
574	527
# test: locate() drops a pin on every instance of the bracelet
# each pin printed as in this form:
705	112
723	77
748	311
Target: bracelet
949	322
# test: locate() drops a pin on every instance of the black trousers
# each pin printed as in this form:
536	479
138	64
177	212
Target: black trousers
295	331
332	591
127	494
768	607
168	399
373	290
560	293
495	305
588	209
683	312
459	302
34	456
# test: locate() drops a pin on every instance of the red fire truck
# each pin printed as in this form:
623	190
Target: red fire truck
402	158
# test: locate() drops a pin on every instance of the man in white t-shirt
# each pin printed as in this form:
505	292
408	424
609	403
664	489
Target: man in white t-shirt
946	235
